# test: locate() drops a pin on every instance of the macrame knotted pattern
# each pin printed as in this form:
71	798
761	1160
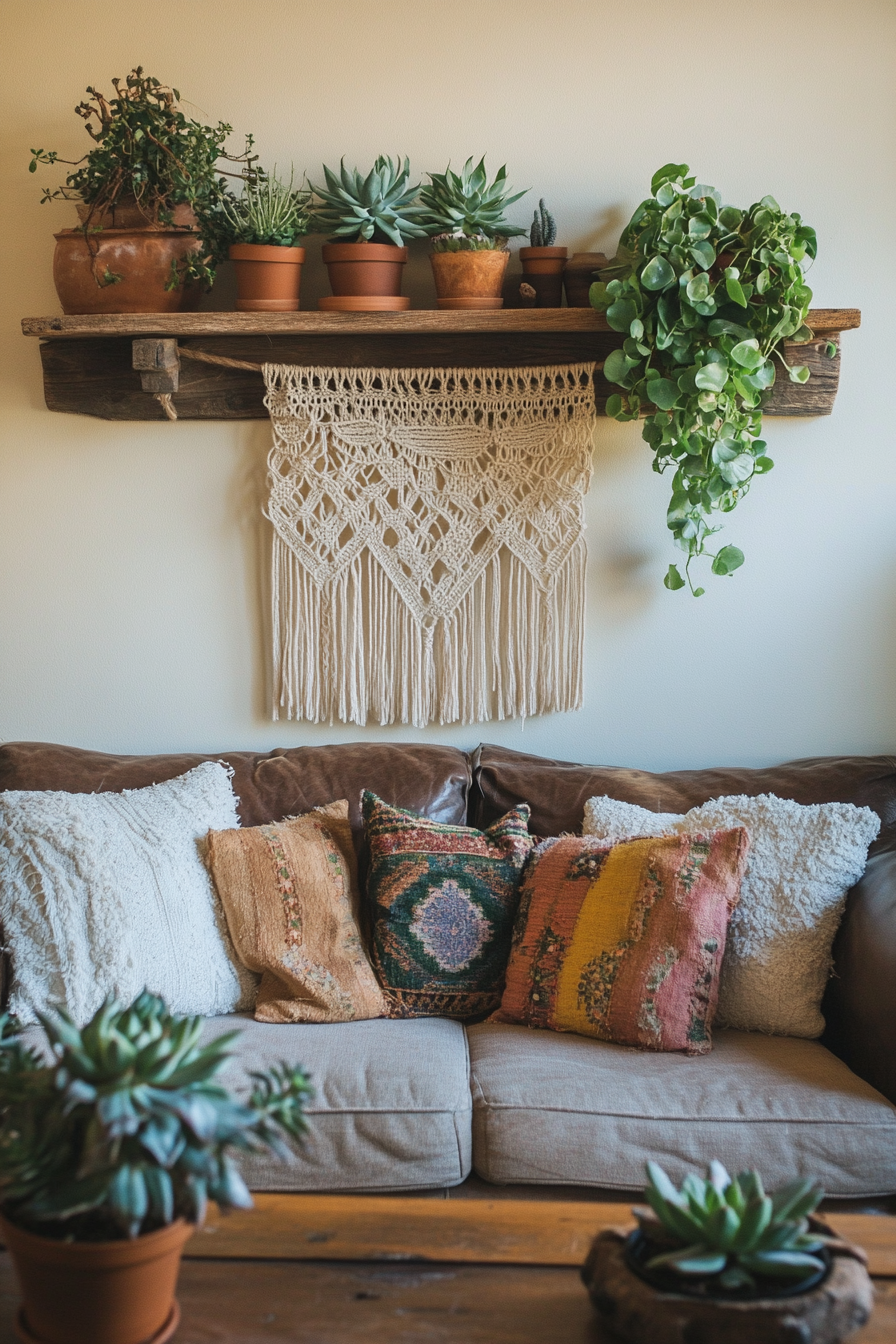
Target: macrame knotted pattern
429	557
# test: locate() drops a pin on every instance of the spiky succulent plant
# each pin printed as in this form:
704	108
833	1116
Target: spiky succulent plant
730	1231
378	208
123	1129
466	212
543	232
270	210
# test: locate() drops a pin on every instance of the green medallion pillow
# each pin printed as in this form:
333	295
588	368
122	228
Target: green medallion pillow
442	904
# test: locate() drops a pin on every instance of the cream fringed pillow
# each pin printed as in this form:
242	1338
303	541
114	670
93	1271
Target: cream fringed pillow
290	892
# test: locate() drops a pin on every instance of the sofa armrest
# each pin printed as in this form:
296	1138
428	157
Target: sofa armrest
860	1005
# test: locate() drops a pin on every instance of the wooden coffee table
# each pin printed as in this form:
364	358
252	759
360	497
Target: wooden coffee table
339	1269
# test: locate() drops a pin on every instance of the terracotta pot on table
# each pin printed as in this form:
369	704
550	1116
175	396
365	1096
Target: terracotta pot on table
543	270
469	279
268	278
102	1292
364	277
579	276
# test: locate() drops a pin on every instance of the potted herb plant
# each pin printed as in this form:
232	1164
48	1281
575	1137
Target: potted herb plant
368	219
465	219
138	247
721	1259
262	227
109	1151
543	260
705	295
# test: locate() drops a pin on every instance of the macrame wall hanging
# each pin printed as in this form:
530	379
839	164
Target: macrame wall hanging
429	558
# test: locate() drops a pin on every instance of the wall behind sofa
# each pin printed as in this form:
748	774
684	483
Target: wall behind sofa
132	557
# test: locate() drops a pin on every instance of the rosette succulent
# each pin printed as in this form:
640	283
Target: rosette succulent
464	212
730	1232
705	295
378	208
124	1129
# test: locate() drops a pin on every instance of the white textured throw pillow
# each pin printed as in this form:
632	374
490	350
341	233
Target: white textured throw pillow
802	861
107	892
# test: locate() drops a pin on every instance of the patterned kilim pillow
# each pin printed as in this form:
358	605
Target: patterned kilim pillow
624	941
442	900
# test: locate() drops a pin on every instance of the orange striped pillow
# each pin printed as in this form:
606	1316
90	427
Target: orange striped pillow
624	941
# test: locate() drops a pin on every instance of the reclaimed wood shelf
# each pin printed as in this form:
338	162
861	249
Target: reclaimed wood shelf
88	361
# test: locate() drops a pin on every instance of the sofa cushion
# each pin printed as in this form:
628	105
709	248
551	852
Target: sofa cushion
392	1109
561	1109
557	791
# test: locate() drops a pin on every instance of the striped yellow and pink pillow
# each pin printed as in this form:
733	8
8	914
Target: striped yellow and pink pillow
624	941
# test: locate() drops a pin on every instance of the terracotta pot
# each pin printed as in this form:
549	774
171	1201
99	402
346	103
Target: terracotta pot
363	303
103	1292
142	257
127	214
578	277
543	269
474	277
267	277
369	270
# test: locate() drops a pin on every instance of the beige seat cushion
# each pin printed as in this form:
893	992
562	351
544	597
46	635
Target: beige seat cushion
553	1108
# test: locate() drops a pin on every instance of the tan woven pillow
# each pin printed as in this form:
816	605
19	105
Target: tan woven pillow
290	892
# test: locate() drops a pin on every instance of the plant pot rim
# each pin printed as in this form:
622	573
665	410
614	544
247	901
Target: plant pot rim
122	1250
272	252
553	253
364	252
660	1280
181	231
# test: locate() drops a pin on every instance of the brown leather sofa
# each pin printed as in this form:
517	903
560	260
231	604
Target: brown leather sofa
534	1107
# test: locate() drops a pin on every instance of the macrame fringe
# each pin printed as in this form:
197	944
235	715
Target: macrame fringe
352	650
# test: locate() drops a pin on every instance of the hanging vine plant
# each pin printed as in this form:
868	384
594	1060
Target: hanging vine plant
706	295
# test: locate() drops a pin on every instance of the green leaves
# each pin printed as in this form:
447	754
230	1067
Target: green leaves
380	207
733	287
727	560
467	204
657	274
673	579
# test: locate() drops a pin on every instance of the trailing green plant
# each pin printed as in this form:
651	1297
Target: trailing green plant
147	151
729	1232
543	232
124	1129
378	208
268	211
465	213
705	294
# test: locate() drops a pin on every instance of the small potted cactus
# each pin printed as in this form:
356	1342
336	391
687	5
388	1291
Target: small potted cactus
368	219
721	1259
465	219
262	227
542	262
109	1151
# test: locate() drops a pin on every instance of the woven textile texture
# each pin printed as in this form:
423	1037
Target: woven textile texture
442	903
803	859
624	942
290	893
429	557
105	893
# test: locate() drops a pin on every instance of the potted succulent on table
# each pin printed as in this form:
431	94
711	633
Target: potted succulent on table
465	218
138	248
262	227
109	1152
721	1259
705	295
368	219
542	261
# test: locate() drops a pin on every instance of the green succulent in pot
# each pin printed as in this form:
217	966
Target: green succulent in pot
727	1234
378	208
705	295
270	211
465	212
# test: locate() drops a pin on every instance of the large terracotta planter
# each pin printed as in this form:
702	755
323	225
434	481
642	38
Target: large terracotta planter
141	257
469	279
268	278
104	1292
543	269
364	277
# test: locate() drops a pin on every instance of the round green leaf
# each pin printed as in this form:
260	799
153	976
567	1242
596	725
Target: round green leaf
673	580
799	374
704	254
728	560
663	393
711	377
734	288
614	405
739	469
621	314
698	288
657	274
597	295
616	366
746	353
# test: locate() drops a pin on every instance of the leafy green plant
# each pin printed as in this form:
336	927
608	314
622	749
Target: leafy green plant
706	294
378	208
148	152
729	1232
125	1129
543	232
268	211
465	213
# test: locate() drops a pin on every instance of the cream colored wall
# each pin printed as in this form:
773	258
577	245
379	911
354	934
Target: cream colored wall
131	555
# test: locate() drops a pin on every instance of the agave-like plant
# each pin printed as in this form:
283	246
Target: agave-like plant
378	208
464	212
730	1231
543	231
124	1130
